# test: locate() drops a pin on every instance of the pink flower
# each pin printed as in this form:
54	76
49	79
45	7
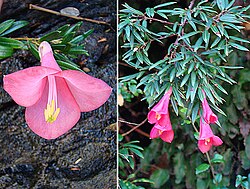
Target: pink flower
159	113
54	98
206	138
208	115
165	133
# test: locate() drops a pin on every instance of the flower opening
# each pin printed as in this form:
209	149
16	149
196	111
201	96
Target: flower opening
51	112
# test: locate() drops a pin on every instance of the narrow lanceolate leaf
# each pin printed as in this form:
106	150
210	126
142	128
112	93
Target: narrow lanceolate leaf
5	25
67	66
237	46
184	80
15	26
5	52
189	34
51	36
164	4
34	50
202	168
195	112
15	44
239	39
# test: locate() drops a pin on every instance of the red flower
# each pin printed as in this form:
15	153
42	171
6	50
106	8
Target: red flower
165	133
208	115
159	113
206	138
54	98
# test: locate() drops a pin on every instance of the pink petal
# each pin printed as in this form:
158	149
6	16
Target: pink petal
165	121
89	92
217	141
203	147
162	106
67	118
151	117
46	56
154	133
167	136
208	114
205	130
26	86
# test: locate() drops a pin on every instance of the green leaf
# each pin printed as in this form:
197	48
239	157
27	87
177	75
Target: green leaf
34	50
159	177
131	10
237	46
137	152
229	18
5	52
239	39
15	44
165	4
189	34
174	104
195	112
50	36
5	25
78	50
15	26
202	168
120	137
184	80
68	66
217	158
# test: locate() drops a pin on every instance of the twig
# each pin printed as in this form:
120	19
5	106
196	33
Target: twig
134	128
209	161
35	7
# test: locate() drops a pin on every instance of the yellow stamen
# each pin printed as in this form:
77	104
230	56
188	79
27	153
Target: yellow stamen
160	132
50	114
157	116
207	141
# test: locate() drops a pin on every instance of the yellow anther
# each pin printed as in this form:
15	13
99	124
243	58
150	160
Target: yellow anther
207	141
157	116
160	132
50	114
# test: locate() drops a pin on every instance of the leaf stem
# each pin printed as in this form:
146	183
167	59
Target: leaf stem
209	161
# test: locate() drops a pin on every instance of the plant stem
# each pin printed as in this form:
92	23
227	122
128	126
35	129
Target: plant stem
31	6
134	128
209	161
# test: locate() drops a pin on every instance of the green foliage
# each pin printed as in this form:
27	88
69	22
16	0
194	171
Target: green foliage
7	45
126	161
196	61
65	41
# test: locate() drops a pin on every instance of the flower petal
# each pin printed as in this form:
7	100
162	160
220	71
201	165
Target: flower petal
67	118
167	136
205	130
26	86
89	92
46	56
152	117
162	106
154	133
217	141
204	147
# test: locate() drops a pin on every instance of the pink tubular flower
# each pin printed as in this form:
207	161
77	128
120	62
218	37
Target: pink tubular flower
54	98
165	133
159	113
206	138
208	115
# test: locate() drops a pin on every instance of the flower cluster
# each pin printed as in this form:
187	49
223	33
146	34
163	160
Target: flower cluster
159	115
